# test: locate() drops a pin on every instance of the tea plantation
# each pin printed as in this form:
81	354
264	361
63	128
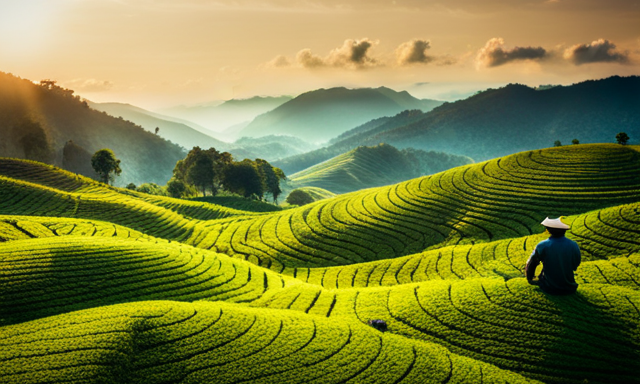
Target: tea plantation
105	285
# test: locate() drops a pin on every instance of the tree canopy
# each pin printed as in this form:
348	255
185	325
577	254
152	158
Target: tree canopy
622	138
105	163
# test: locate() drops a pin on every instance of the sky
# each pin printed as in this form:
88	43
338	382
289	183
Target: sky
162	53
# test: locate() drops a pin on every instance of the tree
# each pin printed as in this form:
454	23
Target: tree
131	186
243	178
157	130
299	197
622	138
575	141
176	188
271	177
557	143
185	172
201	173
105	163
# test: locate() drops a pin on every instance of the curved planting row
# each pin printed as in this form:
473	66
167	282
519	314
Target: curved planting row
466	205
52	275
170	342
601	234
588	337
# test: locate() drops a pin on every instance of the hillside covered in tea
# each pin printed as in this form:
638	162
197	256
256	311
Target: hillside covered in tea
102	284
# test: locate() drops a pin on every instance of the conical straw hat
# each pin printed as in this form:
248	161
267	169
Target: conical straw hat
554	223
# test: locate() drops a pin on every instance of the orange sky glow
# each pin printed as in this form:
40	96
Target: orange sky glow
160	53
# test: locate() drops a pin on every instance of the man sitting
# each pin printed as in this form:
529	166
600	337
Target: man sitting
559	255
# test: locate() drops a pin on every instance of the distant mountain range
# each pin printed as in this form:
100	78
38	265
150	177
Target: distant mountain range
44	118
498	122
228	117
186	134
320	115
366	167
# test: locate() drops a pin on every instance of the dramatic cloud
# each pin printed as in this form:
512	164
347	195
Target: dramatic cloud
89	85
494	54
353	54
413	52
599	51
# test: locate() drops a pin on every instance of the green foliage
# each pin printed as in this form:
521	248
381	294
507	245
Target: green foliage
244	178
557	143
152	189
131	187
575	141
438	258
299	197
105	163
622	138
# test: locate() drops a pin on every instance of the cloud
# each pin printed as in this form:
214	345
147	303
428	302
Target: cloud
279	61
89	85
494	54
598	51
413	52
353	54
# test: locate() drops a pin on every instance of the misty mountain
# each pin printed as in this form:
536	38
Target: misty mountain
220	117
269	148
515	118
366	167
182	134
319	115
37	121
347	141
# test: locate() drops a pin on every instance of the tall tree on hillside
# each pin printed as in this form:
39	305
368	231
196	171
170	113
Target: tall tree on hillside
105	163
271	177
622	138
243	178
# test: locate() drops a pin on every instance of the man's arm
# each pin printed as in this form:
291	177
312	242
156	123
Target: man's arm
532	264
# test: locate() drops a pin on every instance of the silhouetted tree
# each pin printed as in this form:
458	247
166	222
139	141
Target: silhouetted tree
157	130
557	143
622	138
299	197
105	163
575	141
131	186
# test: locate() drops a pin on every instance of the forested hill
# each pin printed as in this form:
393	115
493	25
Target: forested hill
37	120
347	141
367	167
325	113
515	118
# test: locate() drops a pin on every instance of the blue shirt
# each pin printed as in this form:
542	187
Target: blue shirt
560	256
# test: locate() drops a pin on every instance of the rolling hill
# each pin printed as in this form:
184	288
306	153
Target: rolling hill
100	283
319	115
498	122
366	167
47	117
342	143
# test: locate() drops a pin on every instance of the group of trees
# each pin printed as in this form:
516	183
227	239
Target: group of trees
622	138
215	171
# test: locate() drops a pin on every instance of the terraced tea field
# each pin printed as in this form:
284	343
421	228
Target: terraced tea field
101	285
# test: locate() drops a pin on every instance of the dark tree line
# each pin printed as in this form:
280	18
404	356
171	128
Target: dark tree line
214	171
